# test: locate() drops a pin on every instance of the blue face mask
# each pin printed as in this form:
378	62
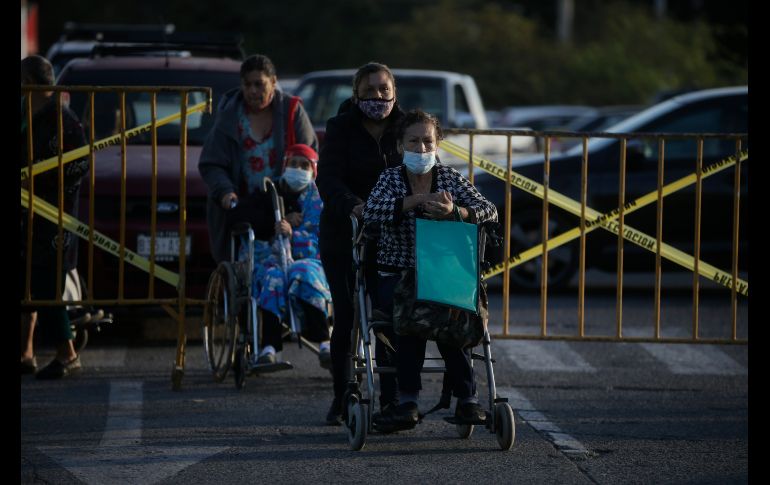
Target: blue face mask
296	178
419	163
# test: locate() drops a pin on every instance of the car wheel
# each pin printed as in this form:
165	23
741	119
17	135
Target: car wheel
526	232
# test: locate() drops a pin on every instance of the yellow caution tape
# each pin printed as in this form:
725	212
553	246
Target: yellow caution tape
596	219
48	211
81	152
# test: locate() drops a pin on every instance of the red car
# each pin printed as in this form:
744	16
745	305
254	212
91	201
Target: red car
221	74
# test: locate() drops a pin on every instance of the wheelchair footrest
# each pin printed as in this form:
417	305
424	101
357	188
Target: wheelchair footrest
89	320
274	367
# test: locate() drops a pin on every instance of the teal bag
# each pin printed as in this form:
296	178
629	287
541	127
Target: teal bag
441	299
447	263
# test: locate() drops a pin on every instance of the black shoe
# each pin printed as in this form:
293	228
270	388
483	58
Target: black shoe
334	416
377	419
470	413
57	370
397	418
28	366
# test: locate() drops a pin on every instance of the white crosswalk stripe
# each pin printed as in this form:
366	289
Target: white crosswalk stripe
526	411
693	359
542	356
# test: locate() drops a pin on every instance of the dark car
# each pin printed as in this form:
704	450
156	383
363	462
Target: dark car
598	120
220	74
722	110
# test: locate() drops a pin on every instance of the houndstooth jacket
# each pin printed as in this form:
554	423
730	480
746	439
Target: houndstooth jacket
395	249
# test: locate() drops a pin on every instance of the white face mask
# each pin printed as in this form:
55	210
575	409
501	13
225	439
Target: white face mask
419	163
296	178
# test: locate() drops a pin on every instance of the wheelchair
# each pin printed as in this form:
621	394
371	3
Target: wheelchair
360	396
232	320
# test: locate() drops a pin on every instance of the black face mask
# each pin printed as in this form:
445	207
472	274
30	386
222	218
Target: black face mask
376	108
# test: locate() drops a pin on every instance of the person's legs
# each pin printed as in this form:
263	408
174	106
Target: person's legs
269	291
411	357
339	274
459	370
28	321
315	326
272	332
57	323
463	380
384	356
28	361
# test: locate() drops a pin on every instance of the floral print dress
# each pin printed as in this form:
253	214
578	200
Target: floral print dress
258	158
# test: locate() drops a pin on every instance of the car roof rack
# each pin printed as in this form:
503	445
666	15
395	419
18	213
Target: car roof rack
172	47
124	39
116	32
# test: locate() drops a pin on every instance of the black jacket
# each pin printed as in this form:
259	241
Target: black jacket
349	166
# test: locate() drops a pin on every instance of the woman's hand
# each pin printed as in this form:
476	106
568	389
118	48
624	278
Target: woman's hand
228	199
439	205
283	228
294	218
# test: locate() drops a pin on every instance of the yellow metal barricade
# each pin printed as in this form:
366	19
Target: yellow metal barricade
613	222
175	307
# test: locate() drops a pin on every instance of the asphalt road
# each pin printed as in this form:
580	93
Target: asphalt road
585	412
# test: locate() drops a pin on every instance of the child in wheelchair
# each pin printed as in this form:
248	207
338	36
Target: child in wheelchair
295	287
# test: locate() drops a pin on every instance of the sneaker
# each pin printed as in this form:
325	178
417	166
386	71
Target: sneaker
334	416
325	358
470	413
28	366
57	370
266	358
397	418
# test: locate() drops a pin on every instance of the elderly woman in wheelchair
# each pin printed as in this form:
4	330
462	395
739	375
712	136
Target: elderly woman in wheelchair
420	188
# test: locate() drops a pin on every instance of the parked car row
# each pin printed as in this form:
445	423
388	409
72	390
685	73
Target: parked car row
572	118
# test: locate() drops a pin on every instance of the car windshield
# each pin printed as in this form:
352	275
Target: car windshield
107	117
322	96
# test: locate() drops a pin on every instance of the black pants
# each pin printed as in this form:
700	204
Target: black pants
314	326
338	266
410	355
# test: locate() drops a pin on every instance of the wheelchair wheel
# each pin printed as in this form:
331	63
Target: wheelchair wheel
219	321
240	367
356	423
505	427
464	431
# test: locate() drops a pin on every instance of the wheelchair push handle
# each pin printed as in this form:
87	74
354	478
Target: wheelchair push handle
276	199
277	202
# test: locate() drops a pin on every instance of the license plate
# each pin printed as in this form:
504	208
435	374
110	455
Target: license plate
166	246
